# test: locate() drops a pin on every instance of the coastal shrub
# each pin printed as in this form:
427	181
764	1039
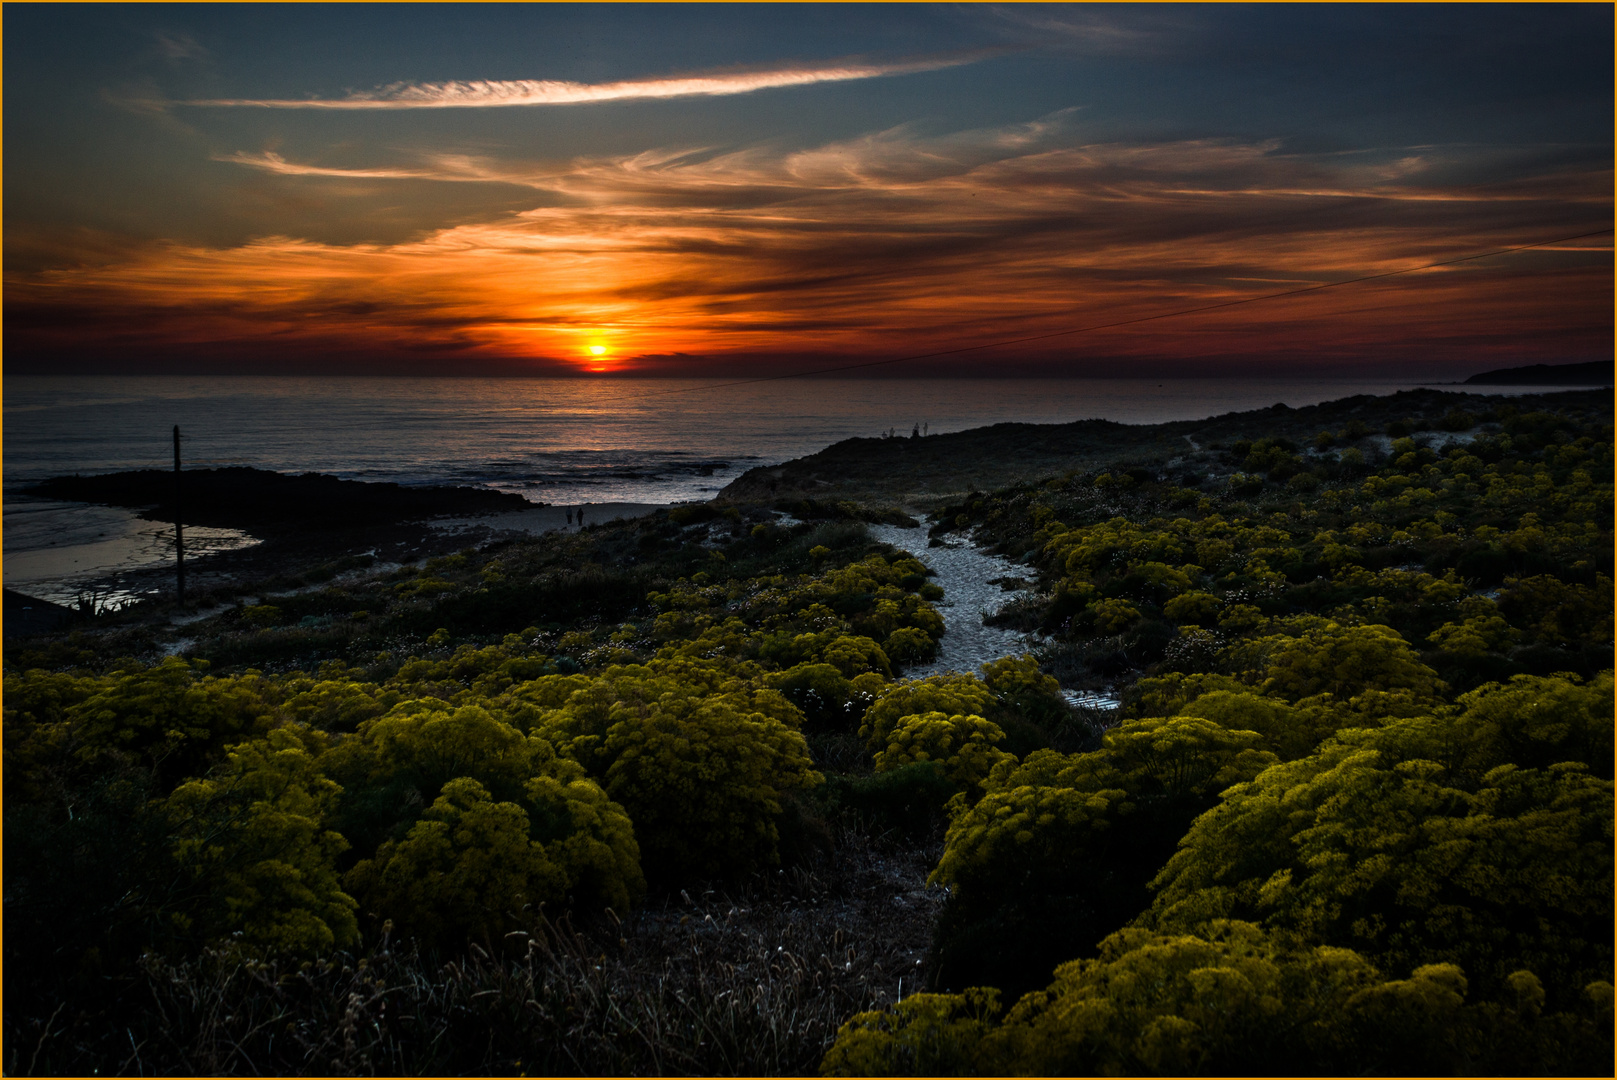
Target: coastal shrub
1391	820
1457	420
261	615
1154	582
253	859
854	655
910	799
1022	830
1475	637
907	645
1020	687
1287	731
1231	1000
1344	661
1193	607
692	514
466	868
951	694
1059	850
1556	612
508	605
1413	843
1167	694
1303	482
421	745
39	741
1537	721
1181	760
1113	616
701	769
431	798
1036	874
826	698
336	704
966	746
171	718
1244	485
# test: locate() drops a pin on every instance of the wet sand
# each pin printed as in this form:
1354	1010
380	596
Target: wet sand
56	559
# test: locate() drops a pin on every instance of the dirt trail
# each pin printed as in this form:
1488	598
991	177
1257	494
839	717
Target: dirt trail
964	573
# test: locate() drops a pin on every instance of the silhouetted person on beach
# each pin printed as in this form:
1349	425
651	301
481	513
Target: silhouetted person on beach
581	516
569	515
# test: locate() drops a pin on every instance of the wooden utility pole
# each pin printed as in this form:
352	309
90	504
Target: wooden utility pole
179	530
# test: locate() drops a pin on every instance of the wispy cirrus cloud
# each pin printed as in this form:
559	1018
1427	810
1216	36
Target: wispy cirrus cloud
443	167
497	93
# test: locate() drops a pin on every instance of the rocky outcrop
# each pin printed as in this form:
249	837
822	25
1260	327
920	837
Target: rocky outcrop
265	503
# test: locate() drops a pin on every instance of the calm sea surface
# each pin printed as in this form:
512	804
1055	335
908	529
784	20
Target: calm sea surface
559	441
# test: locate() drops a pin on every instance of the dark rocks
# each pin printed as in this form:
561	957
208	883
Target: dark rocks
1593	373
265	503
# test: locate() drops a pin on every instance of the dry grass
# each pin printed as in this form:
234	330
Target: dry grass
755	980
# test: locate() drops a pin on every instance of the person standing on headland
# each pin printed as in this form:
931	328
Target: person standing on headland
569	517
581	515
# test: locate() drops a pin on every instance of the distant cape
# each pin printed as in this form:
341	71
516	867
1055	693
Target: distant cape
1594	373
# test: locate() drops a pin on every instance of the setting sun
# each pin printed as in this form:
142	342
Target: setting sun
820	235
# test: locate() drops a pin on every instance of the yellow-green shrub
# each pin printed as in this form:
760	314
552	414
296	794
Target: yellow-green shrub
171	717
1193	607
254	859
1230	1001
951	694
1059	850
1017	684
481	782
966	746
1413	843
1114	616
854	655
1013	833
701	770
907	645
1344	661
466	868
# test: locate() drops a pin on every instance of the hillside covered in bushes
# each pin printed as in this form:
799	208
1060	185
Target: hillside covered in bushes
658	797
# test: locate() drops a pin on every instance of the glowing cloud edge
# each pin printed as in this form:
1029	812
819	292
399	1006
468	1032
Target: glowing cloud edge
492	93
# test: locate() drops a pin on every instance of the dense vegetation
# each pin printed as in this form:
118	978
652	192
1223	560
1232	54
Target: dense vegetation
1356	813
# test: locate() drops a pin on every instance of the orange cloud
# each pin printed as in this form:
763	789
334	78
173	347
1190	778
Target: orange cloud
889	245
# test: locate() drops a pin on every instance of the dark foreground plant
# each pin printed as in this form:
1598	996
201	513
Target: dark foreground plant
752	982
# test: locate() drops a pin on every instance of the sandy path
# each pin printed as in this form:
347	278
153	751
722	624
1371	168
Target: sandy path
964	573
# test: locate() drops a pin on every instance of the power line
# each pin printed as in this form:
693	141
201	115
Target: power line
1133	321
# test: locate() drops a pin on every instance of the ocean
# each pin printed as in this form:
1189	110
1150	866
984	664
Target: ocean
556	441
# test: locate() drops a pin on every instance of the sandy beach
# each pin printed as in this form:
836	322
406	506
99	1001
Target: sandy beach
55	551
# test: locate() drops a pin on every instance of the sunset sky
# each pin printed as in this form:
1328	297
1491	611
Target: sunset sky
756	189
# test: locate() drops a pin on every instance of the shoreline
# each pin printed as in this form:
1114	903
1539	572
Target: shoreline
110	536
312	526
238	561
